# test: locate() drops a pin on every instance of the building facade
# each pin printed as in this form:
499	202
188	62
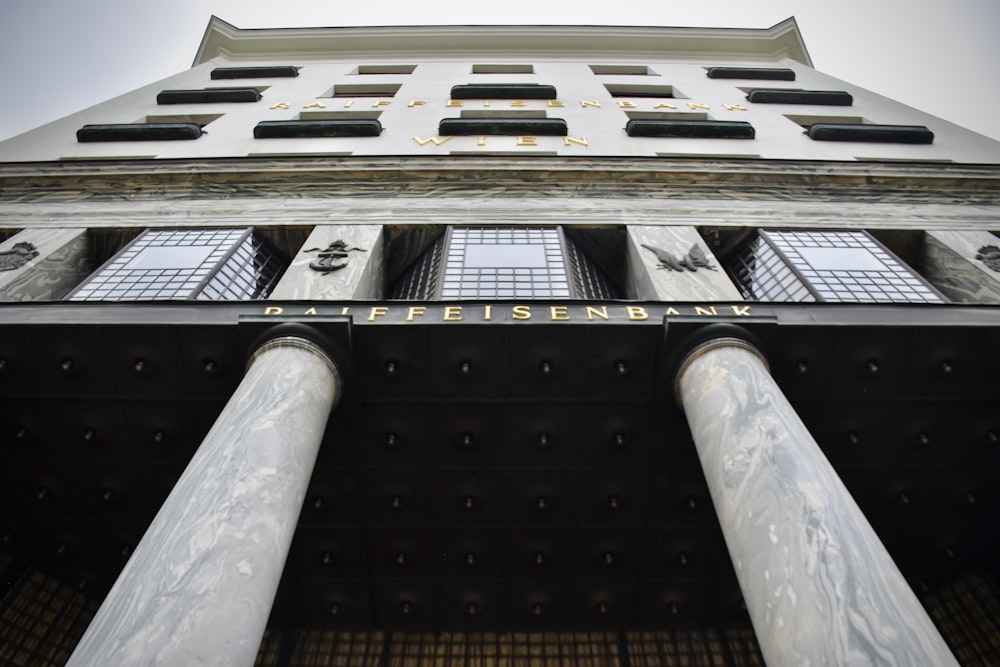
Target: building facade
500	345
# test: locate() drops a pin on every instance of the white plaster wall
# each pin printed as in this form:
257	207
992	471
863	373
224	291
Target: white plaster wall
603	128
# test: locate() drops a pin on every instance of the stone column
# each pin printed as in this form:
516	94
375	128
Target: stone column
819	585
199	587
60	260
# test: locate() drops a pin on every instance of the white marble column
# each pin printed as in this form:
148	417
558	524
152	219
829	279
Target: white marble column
819	585
199	587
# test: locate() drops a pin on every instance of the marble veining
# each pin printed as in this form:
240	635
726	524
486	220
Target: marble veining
359	279
654	283
950	263
820	587
199	587
64	259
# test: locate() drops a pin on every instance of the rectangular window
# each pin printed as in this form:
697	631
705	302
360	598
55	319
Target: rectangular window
637	90
364	90
265	72
385	69
623	70
503	69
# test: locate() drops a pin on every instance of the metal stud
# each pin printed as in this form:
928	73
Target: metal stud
539	558
467	439
159	436
621	368
471	559
391	367
970	498
801	367
546	367
692	503
541	503
673	608
872	366
7	536
618	440
22	433
465	368
993	437
853	437
396	502
334	608
210	366
62	548
614	502
603	607
609	558
402	558
319	502
390	439
949	552
904	498
469	502
946	367
89	435
67	366
328	558
537	608
406	607
108	495
139	366
471	608
126	550
42	493
923	438
3	364
543	439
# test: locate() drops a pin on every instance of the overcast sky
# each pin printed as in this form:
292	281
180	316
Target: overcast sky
60	56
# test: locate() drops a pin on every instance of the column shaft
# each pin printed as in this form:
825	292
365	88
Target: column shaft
199	587
819	585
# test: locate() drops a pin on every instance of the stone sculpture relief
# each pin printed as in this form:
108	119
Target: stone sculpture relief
694	259
18	256
327	260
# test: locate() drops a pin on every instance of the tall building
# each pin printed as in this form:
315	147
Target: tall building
495	346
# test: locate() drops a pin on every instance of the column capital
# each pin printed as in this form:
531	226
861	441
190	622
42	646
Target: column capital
283	341
712	337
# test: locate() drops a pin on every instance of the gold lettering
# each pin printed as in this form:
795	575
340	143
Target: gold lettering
698	310
735	107
281	105
672	311
481	141
555	103
518	103
488	313
486	103
601	312
582	141
377	311
314	105
521	312
698	105
664	105
585	104
416	103
414	311
452	314
273	310
311	311
454	103
346	310
437	141
624	104
381	103
637	313
558	313
527	141
740	310
349	104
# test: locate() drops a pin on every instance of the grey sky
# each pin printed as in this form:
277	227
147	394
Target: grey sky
59	56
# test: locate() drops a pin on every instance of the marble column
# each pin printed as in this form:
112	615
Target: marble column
950	263
199	587
819	585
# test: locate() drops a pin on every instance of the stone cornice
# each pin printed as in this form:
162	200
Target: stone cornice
782	40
